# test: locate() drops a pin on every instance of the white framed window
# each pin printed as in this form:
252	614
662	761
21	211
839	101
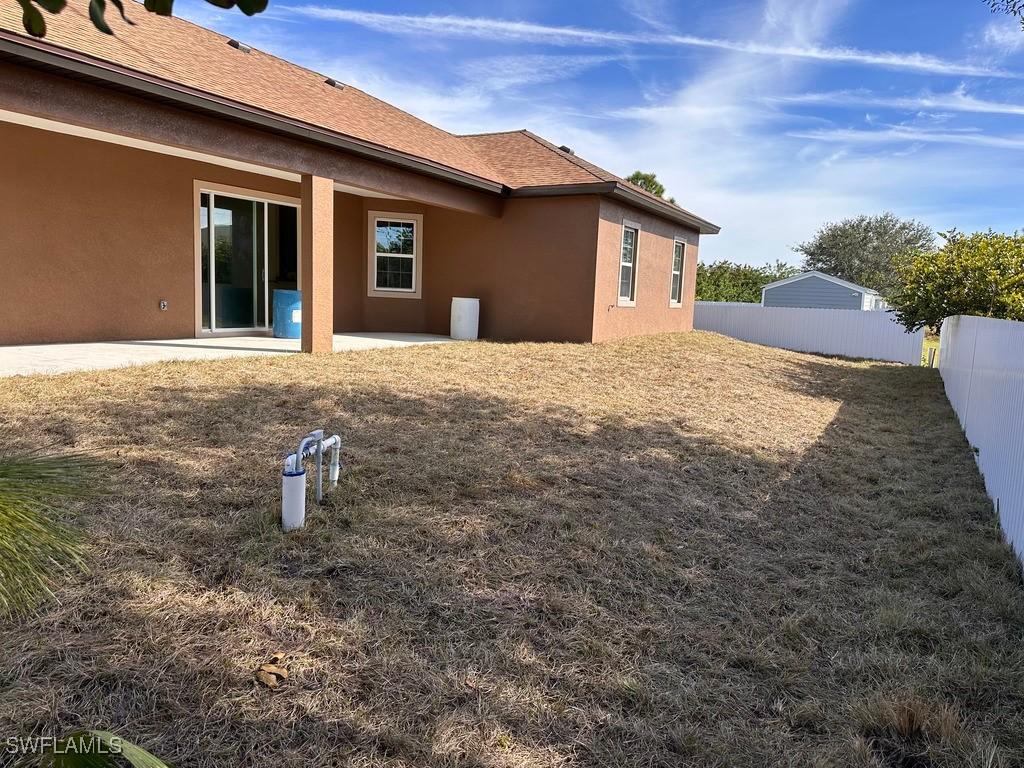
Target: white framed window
628	263
395	255
675	296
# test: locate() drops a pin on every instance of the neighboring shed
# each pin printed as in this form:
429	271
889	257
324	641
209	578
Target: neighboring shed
820	291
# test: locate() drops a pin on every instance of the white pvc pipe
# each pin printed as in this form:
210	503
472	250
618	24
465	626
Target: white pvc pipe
293	477
293	495
335	466
334	443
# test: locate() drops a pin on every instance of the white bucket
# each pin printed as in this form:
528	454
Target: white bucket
465	318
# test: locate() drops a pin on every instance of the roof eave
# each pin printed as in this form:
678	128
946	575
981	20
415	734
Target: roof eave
37	52
666	210
618	191
823	276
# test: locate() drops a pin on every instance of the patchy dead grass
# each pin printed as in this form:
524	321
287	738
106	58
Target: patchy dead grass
680	550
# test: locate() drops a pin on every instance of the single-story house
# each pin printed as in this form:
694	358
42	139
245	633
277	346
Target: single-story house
820	291
163	182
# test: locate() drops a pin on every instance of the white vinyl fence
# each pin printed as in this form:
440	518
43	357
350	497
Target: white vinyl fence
982	365
846	332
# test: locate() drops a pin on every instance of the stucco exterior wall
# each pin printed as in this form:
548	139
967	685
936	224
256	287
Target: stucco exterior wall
532	269
94	235
48	96
652	313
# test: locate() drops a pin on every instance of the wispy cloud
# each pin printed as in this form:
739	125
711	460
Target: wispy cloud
653	13
527	32
955	101
499	73
902	134
1005	36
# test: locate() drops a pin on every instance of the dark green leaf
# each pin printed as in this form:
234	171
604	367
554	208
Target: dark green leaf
97	9
160	7
252	7
32	19
35	24
120	7
52	6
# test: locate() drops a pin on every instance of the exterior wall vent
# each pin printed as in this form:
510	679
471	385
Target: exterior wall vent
567	150
335	84
240	46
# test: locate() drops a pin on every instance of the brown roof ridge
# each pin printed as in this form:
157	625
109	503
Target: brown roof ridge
495	176
489	133
589	168
406	112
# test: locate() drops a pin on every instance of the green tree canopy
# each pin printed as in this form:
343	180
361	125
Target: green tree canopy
649	181
863	250
725	281
979	274
35	23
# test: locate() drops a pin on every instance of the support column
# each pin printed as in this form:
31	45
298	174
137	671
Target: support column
317	245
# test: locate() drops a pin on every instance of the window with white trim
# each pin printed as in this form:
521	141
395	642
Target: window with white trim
627	264
394	259
678	259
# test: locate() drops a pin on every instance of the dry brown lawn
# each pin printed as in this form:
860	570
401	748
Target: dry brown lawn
680	550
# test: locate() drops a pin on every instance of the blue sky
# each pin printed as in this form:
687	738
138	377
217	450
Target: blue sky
768	117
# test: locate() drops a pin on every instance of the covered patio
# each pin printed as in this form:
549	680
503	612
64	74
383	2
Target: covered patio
205	216
29	359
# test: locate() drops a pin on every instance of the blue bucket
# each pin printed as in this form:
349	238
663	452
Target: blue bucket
287	314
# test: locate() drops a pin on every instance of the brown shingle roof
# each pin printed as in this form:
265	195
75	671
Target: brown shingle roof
524	160
527	160
185	54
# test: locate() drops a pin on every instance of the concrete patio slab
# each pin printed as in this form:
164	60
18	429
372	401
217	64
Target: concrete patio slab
28	359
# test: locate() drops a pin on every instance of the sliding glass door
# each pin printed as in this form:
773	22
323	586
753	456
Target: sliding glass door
248	247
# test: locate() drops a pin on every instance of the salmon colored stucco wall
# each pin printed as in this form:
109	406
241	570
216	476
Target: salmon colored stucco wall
49	96
652	313
94	235
532	269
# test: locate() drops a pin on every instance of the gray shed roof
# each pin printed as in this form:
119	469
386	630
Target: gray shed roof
823	276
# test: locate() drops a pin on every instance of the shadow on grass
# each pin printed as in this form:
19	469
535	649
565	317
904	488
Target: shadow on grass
496	584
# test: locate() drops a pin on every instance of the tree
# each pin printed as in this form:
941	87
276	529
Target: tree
725	281
863	249
1012	7
979	274
35	23
649	181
